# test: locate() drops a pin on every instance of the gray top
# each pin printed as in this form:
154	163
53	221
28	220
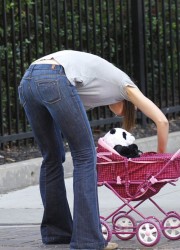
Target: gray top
98	82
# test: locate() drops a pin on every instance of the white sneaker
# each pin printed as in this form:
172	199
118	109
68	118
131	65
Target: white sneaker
111	246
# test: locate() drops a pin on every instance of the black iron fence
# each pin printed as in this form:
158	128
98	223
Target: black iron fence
142	37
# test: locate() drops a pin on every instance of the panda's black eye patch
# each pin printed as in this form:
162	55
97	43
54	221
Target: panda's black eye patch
112	131
124	135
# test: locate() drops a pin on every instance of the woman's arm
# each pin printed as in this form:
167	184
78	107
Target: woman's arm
154	113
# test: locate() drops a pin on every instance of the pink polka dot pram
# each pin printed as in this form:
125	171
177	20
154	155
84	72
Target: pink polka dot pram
136	180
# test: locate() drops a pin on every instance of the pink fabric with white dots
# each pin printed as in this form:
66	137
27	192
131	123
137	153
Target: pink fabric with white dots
127	176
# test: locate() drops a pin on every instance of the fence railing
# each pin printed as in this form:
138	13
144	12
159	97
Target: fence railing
142	37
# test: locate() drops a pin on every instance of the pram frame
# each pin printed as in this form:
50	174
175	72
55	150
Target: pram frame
142	189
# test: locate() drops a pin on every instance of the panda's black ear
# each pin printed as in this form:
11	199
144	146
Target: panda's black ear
113	131
124	135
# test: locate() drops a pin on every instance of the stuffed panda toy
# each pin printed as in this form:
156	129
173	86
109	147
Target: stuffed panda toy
123	142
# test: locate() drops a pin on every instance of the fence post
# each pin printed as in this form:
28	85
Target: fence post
137	15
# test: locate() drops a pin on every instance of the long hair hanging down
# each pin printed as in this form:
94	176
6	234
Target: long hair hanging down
129	115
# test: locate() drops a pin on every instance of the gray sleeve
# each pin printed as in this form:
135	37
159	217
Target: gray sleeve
126	82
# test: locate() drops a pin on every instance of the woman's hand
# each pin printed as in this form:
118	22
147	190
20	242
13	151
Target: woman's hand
154	113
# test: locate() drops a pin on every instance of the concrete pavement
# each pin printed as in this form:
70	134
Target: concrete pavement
21	213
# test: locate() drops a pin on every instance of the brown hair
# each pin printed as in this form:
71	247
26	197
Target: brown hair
129	115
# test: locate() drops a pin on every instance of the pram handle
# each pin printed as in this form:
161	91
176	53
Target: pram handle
175	155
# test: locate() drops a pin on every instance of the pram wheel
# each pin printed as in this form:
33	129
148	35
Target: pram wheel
125	227
171	227
148	233
106	231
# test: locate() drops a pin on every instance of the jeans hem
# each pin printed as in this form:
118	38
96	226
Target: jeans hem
90	246
56	240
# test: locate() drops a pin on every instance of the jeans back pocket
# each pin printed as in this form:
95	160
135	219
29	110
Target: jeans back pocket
48	90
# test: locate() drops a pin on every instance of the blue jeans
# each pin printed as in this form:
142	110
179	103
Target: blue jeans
53	106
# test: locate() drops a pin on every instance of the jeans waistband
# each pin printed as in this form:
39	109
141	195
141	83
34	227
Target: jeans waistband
53	67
